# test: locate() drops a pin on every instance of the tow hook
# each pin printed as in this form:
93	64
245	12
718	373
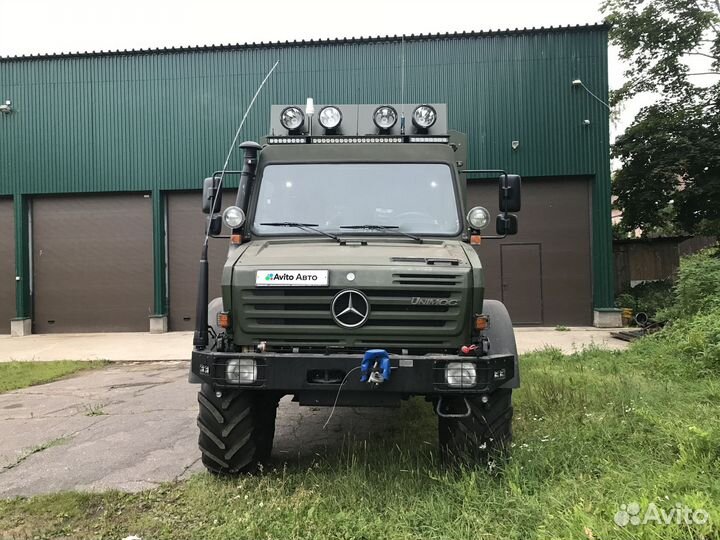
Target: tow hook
482	348
375	367
442	413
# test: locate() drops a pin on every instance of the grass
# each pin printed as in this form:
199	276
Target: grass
35	450
15	375
593	430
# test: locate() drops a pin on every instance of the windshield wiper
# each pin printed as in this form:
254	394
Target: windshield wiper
384	228
302	226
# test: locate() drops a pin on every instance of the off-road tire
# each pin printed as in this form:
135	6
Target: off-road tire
236	429
484	435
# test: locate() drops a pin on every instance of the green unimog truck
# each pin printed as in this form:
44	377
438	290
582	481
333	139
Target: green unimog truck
352	280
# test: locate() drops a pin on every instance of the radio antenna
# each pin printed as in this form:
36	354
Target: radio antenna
234	143
200	337
402	85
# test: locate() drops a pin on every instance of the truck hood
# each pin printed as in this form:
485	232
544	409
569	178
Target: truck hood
366	252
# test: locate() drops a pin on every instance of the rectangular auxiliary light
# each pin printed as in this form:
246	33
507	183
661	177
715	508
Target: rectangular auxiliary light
429	139
286	140
355	140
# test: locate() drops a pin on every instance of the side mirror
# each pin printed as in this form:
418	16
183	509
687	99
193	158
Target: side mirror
510	193
506	225
215	225
211	197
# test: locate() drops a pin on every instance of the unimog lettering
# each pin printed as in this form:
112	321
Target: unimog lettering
352	280
416	300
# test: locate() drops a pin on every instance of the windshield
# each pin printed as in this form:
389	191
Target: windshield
414	198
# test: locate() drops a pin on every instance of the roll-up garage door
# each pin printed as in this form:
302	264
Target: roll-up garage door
92	263
7	265
185	233
543	274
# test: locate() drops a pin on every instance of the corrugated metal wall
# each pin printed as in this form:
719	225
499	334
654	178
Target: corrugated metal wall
107	123
163	120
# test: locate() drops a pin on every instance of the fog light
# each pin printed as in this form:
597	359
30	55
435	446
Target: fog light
292	118
330	117
385	117
424	116
460	374
241	371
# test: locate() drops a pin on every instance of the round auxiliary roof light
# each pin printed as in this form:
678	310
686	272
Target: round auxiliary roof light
424	116
330	117
478	217
292	118
233	217
385	117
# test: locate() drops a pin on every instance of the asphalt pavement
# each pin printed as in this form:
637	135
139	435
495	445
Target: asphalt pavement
131	426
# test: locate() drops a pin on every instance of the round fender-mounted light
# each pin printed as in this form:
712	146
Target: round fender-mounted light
478	218
233	217
424	116
385	117
330	117
292	118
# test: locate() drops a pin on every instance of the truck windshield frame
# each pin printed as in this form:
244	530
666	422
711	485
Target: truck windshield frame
420	198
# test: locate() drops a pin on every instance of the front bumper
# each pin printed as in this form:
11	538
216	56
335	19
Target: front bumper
298	372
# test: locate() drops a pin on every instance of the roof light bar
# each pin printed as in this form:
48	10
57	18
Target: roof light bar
429	139
356	140
286	140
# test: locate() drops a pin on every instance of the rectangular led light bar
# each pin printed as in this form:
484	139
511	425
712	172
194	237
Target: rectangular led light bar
356	140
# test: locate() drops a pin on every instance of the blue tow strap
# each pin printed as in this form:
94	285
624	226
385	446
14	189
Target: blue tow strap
373	356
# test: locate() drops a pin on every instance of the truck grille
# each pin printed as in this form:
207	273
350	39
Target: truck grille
297	316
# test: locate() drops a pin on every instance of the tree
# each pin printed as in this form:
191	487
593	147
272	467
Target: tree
670	175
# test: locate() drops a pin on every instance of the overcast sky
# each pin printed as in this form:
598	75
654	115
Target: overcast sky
44	26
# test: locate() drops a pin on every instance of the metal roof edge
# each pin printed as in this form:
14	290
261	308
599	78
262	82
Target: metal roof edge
311	43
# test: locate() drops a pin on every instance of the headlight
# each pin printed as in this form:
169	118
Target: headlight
478	217
424	116
330	117
292	118
233	217
241	371
385	117
460	375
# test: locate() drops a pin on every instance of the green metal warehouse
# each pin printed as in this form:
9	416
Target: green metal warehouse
102	155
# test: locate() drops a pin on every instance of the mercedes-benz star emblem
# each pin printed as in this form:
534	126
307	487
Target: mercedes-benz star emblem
350	308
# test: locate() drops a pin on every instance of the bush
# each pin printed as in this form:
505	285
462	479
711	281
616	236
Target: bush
697	288
649	297
692	332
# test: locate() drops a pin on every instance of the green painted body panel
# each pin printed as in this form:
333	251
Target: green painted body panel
390	269
300	316
162	121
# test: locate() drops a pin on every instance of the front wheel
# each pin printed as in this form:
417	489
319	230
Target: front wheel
236	429
484	433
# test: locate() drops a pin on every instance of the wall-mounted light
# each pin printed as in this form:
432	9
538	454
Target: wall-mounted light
577	83
6	108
